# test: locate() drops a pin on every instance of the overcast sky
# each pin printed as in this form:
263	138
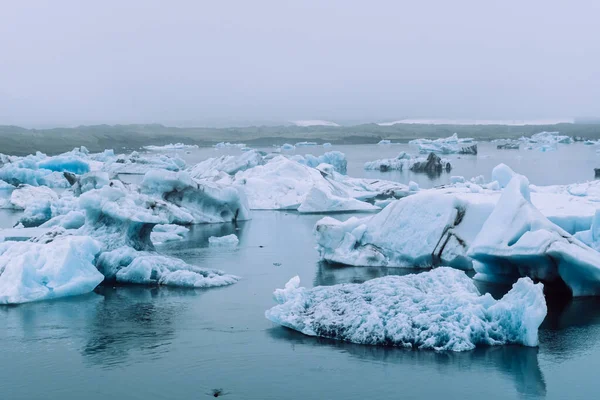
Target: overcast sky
214	62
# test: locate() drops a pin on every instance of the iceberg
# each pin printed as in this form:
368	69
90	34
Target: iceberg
440	310
125	265
449	145
32	271
285	184
517	240
205	202
287	147
336	159
223	241
421	230
168	233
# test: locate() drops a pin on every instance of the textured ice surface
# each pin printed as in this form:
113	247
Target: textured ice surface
285	184
227	164
42	271
206	202
402	162
417	231
223	241
449	145
336	159
126	265
518	240
168	233
441	310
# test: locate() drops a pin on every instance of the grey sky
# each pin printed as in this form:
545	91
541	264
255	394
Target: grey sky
209	62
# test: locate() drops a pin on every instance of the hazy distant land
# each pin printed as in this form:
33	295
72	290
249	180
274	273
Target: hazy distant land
21	141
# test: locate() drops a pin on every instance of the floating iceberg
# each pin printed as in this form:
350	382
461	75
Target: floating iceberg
517	240
287	147
441	310
421	230
171	146
168	233
205	202
384	141
285	184
223	241
126	265
305	144
449	145
42	271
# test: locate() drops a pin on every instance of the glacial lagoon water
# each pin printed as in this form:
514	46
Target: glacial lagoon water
164	343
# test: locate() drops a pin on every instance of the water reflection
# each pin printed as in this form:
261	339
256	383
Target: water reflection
132	319
328	274
516	362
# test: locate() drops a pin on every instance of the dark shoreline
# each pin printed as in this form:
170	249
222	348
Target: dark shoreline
15	140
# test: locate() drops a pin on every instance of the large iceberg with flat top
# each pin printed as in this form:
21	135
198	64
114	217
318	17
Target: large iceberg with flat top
441	310
63	267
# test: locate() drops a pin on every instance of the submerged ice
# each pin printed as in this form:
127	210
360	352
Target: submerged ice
441	310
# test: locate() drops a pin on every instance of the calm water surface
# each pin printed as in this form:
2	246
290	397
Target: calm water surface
161	343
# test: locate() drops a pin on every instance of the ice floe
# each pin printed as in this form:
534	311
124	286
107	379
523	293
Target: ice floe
223	241
449	145
441	310
41	271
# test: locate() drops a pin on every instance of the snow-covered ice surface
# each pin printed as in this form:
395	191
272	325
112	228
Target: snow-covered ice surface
171	146
440	309
42	271
223	241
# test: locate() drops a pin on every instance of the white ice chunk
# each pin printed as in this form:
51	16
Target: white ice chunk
223	241
441	310
36	271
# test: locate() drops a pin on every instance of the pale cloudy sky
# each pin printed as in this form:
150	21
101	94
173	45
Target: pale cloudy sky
234	62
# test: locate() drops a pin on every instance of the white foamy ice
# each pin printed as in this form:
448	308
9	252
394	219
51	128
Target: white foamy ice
441	310
223	241
212	167
42	271
518	240
171	146
168	233
285	184
417	231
